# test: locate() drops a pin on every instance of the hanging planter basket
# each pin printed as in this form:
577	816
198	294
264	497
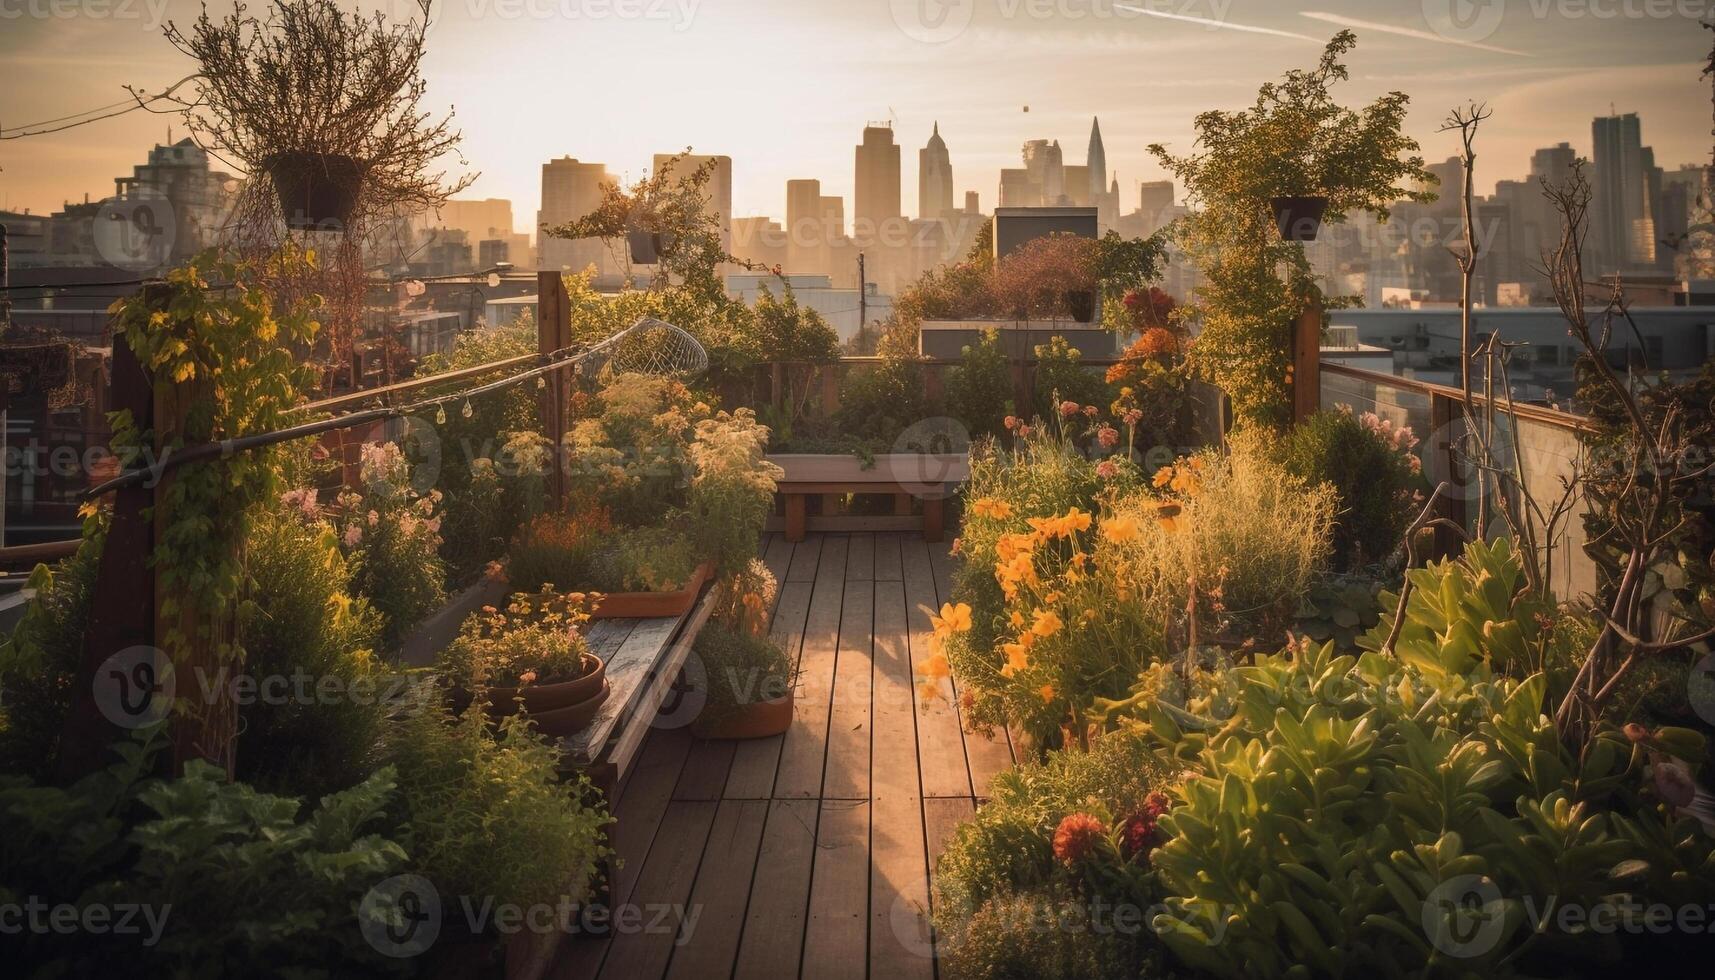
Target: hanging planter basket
1081	304
645	246
317	191
1298	218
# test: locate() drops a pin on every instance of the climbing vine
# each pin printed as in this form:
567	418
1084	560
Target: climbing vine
223	364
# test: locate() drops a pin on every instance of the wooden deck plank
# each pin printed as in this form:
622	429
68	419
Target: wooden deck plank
836	937
900	946
777	555
860	558
643	939
706	767
779	893
940	743
940	819
629	672
806	742
755	760
988	753
714	920
887	567
806	559
847	774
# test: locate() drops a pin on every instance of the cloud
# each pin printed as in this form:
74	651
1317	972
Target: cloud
1370	25
1221	24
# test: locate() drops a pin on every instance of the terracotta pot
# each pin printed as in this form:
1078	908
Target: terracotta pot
1298	218
316	190
759	719
648	605
538	698
573	718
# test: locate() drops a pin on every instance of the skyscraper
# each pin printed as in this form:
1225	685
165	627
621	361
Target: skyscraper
875	195
934	178
1046	172
1623	228
570	190
1106	200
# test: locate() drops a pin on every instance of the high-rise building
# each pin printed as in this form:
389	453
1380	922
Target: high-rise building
1155	196
570	190
814	222
875	193
719	185
1622	226
198	201
973	202
934	178
1046	172
1100	192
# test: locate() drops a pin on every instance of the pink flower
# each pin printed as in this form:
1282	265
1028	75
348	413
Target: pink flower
1011	422
1133	416
374	518
1068	409
1106	469
1024	432
1090	411
353	535
1108	436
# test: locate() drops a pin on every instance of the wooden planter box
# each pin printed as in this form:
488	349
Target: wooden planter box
929	477
652	605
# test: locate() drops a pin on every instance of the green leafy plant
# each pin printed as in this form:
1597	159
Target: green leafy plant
660	558
558	549
878	404
198	854
1369	463
1339	609
979	388
392	535
743	667
40	660
732	488
486	815
1061	378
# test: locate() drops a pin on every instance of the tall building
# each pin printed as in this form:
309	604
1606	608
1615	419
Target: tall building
1622	227
934	178
1045	170
719	186
570	190
973	202
1102	194
809	235
875	195
1155	196
198	202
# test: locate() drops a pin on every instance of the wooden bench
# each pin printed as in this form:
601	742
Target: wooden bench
929	477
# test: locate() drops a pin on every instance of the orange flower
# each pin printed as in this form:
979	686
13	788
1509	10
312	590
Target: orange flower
1017	658
1119	529
1047	623
953	619
1075	520
1016	618
990	507
1047	692
935	669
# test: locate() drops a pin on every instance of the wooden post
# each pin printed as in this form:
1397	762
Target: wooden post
830	388
553	332
1446	416
1307	362
122	612
795	516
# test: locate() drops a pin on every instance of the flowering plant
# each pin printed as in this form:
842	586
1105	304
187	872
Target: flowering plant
392	534
534	640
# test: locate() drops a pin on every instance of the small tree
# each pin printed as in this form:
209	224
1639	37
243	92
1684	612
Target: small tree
1295	140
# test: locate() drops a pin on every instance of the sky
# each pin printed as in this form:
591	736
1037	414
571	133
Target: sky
785	87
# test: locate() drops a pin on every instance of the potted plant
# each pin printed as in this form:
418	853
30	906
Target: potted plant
529	656
331	151
1050	276
747	676
1298	217
648	572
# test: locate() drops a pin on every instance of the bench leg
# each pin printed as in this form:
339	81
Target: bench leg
901	505
795	517
933	519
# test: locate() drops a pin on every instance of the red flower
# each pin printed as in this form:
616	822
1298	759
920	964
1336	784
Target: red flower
1137	835
1155	804
1077	835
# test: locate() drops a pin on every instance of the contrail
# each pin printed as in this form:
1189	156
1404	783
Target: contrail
1218	23
1368	25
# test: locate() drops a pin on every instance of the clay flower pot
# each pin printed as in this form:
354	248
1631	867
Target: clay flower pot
573	718
647	605
316	190
539	698
759	719
1081	304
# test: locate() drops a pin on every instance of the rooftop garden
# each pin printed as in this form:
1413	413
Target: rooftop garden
323	671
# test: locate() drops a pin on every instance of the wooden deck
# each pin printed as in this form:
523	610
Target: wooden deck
806	854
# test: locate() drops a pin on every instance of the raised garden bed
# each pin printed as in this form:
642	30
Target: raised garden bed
645	605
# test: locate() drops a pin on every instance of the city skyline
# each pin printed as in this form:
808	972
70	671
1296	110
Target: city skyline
1144	76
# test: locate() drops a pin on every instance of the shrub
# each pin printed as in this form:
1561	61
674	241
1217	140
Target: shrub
1060	378
879	404
558	549
1341	810
39	662
629	453
535	640
742	667
732	488
243	885
1369	463
659	558
486	814
979	388
393	537
302	624
1048	933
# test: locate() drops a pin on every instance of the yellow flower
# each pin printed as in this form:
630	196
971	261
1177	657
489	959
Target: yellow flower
953	619
1047	623
1016	619
1017	658
1119	529
1075	520
1163	477
990	507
